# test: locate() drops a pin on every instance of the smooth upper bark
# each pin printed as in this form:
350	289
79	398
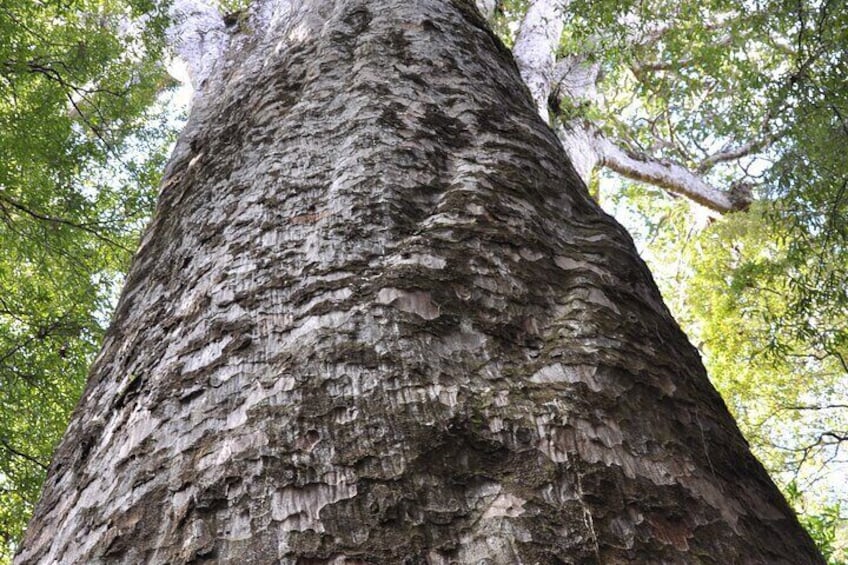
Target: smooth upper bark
536	46
377	319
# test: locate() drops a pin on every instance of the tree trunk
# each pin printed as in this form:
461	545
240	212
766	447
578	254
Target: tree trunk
377	319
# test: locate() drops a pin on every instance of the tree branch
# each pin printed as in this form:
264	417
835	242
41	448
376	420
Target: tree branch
765	139
640	69
735	153
22	455
665	174
816	407
57	220
642	35
575	79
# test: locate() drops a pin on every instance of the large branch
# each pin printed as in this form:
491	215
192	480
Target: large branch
535	49
575	78
589	149
665	174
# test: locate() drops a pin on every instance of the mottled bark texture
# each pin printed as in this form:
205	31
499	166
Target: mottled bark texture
377	319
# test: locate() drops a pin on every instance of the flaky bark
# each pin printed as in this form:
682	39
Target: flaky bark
377	319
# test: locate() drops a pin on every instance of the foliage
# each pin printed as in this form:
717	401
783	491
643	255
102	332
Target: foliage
81	157
231	6
826	525
779	369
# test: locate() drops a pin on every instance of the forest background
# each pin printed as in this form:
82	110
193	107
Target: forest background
717	134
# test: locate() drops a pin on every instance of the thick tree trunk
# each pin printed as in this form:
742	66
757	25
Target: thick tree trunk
377	319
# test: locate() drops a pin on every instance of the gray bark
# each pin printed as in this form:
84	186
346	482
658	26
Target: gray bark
377	319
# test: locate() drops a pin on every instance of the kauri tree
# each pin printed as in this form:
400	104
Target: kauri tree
377	318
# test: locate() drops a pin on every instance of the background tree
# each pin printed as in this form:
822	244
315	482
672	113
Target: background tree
377	317
81	157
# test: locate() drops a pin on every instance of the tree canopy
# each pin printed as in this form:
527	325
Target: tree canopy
82	150
715	130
